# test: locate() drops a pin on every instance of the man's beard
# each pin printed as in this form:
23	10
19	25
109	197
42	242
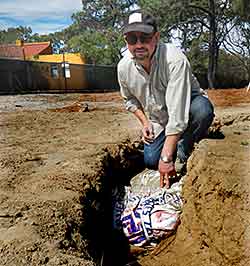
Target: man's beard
140	56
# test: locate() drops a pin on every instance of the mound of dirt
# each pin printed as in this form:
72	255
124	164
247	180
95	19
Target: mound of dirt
215	221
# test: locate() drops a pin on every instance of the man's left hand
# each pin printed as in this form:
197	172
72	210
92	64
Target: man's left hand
166	170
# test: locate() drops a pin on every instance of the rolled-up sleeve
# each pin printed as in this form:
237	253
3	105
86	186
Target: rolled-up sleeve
178	96
130	101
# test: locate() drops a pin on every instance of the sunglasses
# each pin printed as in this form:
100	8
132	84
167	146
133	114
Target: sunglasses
144	38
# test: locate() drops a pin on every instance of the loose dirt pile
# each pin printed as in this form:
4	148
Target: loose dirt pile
59	161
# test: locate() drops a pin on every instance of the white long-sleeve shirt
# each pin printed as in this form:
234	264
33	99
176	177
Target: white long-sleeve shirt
165	93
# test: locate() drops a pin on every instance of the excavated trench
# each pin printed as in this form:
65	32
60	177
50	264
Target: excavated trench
106	246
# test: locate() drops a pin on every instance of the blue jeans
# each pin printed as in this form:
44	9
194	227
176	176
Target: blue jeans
200	118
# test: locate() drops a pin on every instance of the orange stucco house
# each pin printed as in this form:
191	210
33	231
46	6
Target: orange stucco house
38	51
61	71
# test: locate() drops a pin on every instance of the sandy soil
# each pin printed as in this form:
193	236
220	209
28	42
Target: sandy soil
60	156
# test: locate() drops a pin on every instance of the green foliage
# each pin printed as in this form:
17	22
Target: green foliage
198	57
231	71
97	47
12	34
39	38
103	14
242	7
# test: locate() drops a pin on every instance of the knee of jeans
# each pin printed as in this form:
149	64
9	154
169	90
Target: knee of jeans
151	162
205	115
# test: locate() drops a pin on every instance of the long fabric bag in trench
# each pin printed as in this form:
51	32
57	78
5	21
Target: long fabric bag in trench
145	212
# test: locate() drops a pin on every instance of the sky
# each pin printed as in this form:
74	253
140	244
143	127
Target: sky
43	16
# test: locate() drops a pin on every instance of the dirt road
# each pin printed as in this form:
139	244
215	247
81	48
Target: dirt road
58	164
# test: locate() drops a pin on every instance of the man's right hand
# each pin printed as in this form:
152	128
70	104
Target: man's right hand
148	134
166	170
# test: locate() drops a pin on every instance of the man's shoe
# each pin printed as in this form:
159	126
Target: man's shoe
180	166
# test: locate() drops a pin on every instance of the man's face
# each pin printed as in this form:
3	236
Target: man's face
141	45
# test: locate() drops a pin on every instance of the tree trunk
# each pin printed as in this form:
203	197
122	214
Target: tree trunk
213	47
184	38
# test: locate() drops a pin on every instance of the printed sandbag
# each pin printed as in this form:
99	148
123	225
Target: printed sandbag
144	211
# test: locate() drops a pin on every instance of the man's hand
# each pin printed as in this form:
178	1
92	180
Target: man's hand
148	134
166	170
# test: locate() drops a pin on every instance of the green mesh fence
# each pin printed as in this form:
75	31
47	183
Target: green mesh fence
17	76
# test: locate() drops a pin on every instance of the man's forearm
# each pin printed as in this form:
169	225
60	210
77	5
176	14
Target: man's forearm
141	117
170	144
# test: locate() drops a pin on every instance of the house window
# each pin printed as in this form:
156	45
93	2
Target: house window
54	71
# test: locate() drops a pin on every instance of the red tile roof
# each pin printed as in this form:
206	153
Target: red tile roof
37	48
11	50
27	50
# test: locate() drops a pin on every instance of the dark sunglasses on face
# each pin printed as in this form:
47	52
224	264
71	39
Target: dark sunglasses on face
132	39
